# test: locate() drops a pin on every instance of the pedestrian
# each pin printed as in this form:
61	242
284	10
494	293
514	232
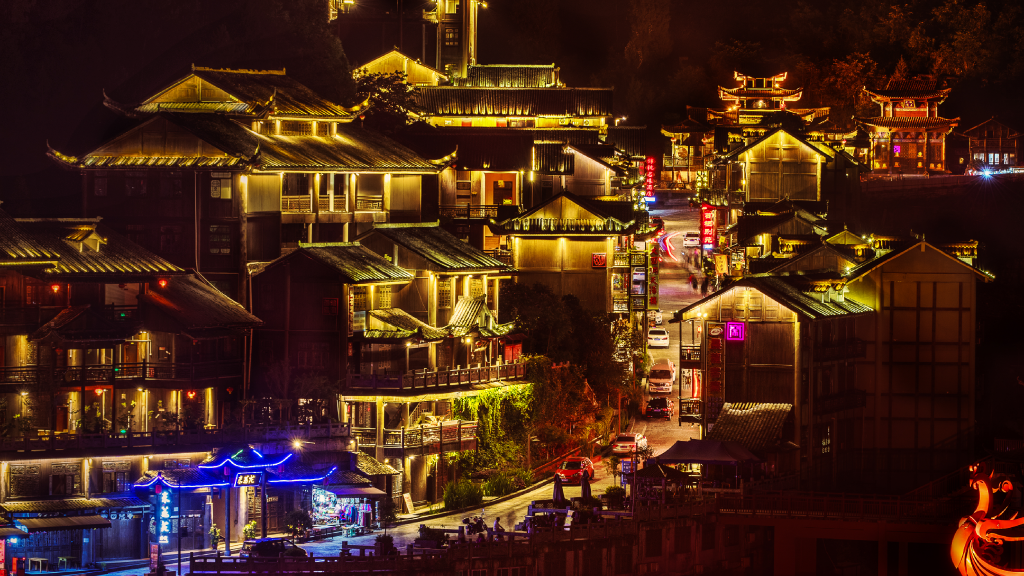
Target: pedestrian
693	282
704	286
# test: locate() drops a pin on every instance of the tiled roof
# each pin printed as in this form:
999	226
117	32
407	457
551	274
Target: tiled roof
346	478
406	322
570	135
86	248
181	476
918	83
630	139
809	304
196	305
467	312
438	246
298	471
80	325
354	262
820	150
454	101
509	76
757	93
908	122
491	149
262	90
17	245
371	466
388	335
70	504
353	148
753	425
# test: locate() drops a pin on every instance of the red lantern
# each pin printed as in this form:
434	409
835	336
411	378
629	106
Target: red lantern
162	282
158	489
55	288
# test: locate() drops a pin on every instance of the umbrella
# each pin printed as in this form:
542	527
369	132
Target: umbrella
559	496
706	452
585	485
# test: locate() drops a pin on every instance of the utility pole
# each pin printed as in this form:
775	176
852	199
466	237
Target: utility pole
180	510
263	504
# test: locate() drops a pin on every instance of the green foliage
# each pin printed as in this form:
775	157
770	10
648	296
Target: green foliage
298	522
611	465
432	534
215	536
615	494
461	494
504	482
249	530
391	99
388	514
385	543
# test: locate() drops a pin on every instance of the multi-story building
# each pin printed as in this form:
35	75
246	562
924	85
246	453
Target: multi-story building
877	359
908	136
993	144
228	167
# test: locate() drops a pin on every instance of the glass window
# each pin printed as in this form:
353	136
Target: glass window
313	354
220	239
383	297
329	307
444	292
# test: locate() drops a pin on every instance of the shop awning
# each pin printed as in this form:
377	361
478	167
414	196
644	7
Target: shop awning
355	491
65	523
10	532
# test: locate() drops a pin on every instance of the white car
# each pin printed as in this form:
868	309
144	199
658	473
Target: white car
691	240
662	375
628	443
657	338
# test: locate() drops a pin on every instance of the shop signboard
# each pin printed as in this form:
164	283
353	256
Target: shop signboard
714	381
653	273
638	281
248	479
650	169
599	260
154	557
707	226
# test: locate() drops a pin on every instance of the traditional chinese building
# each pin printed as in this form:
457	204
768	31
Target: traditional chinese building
993	144
228	167
908	136
871	390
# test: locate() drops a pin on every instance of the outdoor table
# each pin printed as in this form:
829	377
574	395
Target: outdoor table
64	562
40	562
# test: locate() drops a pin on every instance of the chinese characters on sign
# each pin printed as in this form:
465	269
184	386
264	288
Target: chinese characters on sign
714	390
248	479
599	260
650	165
654	263
707	225
735	330
164	519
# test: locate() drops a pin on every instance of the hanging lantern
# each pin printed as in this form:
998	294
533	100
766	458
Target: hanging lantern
158	489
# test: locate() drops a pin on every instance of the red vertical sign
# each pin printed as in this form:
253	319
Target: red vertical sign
707	225
650	166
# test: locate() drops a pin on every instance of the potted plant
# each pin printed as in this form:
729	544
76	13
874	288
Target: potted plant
215	537
615	496
299	523
430	537
384	545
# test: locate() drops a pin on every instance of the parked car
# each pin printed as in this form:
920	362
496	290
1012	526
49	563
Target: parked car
571	470
691	240
656	316
659	407
628	443
270	548
662	375
657	338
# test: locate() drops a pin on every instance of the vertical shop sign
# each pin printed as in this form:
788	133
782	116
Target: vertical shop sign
714	379
653	270
707	225
351	314
650	166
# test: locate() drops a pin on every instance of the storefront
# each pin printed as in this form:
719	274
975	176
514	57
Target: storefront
347	505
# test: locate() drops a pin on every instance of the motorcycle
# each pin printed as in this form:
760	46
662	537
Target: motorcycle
474	525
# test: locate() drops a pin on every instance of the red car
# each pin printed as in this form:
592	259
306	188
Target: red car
571	470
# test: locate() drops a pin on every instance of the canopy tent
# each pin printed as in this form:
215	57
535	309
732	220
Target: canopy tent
654	470
65	523
706	452
356	491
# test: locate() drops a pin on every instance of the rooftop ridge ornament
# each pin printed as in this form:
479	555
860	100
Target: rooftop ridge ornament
977	546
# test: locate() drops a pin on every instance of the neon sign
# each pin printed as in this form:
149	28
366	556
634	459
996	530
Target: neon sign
735	331
650	165
707	225
164	514
248	479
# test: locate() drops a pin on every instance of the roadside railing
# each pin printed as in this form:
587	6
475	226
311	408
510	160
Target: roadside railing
121	372
453	436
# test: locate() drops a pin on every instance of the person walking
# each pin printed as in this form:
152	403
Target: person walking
704	286
693	282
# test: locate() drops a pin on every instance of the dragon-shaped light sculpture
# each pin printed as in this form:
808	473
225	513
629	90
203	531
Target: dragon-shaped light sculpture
977	548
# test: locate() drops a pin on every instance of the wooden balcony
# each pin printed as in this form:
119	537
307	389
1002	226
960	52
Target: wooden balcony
455	436
369	204
503	256
478	211
123	372
296	204
51	444
437	380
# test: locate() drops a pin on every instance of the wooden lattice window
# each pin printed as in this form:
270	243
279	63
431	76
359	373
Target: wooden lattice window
329	307
476	287
444	292
359	302
383	297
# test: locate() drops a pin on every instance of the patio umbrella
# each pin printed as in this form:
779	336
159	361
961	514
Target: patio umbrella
585	485
558	496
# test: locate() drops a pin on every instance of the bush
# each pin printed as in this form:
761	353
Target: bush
298	522
462	494
613	492
385	544
506	482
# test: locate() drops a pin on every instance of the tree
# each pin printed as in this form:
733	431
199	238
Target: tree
298	522
391	99
649	39
388	514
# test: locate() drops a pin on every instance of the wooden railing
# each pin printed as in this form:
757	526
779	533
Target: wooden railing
296	204
503	256
120	372
48	441
324	204
478	211
370	205
566	225
433	379
445	437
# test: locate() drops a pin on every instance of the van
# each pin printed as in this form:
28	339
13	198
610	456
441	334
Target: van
662	375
